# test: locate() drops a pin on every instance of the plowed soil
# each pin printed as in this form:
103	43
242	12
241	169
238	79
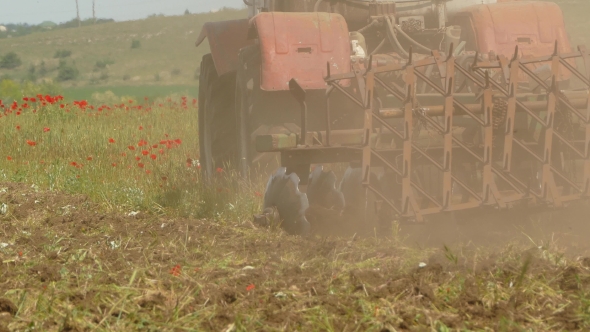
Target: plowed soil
69	265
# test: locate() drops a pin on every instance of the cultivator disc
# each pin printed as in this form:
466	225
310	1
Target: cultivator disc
282	193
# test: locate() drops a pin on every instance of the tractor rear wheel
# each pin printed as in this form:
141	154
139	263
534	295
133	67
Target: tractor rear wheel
258	113
217	126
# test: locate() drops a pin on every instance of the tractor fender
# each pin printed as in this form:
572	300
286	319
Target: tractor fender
226	38
299	45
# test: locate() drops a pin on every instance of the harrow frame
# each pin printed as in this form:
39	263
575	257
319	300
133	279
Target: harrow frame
498	185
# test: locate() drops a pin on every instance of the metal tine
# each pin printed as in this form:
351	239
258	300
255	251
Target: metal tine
410	55
450	87
515	56
370	66
475	61
487	86
328	70
556	48
451	48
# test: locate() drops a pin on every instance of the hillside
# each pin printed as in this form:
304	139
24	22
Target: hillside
103	56
167	55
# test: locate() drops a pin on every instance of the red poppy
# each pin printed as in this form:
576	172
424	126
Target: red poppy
140	165
9	158
258	194
145	152
62	106
17	127
155	146
178	141
73	163
114	164
31	143
219	170
111	140
164	178
46	129
176	270
131	147
26	99
140	127
250	287
154	157
142	143
123	154
89	158
137	158
147	171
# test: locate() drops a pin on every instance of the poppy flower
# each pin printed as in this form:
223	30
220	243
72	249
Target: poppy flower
176	270
140	165
114	164
111	140
17	127
89	158
155	146
147	171
123	154
178	141
137	158
46	129
73	163
145	152
9	158
154	157
164	178
31	143
131	147
258	194
140	127
219	170
250	287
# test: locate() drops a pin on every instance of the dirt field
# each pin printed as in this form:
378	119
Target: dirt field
68	266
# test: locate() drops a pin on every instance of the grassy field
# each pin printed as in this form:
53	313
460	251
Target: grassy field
106	224
167	55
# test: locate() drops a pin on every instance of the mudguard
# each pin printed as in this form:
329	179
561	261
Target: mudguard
226	38
299	45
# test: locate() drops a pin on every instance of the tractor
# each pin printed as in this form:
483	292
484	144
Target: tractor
435	106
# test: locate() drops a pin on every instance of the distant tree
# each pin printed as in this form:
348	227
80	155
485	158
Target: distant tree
42	69
135	43
10	60
67	73
32	73
186	12
60	54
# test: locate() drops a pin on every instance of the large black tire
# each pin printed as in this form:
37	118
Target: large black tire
217	126
253	116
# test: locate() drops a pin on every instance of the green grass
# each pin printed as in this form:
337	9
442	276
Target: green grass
167	55
137	92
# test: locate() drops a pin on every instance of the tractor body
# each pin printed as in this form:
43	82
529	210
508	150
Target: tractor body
437	106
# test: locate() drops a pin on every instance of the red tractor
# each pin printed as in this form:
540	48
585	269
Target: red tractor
437	106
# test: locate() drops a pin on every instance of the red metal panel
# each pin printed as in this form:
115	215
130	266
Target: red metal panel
298	45
225	40
533	26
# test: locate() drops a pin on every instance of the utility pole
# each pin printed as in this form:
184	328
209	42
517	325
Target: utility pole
78	14
94	11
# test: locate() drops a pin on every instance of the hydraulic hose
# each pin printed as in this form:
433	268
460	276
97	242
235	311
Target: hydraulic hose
316	8
393	38
411	40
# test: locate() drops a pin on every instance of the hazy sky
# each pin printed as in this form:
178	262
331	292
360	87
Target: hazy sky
37	11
